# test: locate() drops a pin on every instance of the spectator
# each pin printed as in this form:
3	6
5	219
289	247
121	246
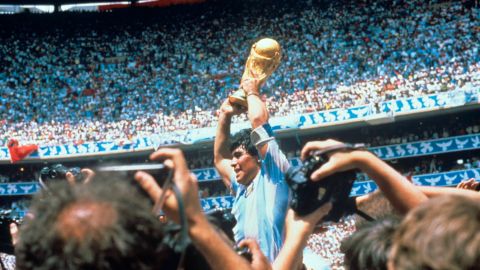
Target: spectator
58	88
369	246
420	241
83	221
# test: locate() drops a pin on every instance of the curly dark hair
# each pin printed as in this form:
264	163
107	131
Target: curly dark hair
242	139
106	224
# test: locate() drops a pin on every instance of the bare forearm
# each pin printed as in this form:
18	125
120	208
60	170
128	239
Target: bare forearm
222	138
439	191
216	251
289	255
297	231
257	111
399	191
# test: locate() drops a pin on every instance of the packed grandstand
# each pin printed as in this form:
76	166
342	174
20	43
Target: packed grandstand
105	78
138	73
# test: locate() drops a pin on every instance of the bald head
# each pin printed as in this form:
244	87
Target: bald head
83	220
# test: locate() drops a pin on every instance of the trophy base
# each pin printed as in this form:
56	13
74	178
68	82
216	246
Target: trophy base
239	97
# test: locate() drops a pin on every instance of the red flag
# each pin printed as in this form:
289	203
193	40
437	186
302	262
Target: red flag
18	152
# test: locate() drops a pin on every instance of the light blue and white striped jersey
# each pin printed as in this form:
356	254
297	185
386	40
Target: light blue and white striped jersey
260	207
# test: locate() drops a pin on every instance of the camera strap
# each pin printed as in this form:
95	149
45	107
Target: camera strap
351	208
364	215
184	239
42	184
157	208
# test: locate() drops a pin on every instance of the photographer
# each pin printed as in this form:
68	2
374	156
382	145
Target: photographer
102	225
108	225
48	175
369	246
439	234
336	159
399	191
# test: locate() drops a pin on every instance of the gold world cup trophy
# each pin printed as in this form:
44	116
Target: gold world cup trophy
263	60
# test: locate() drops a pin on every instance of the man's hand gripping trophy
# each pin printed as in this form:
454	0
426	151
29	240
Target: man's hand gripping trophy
263	60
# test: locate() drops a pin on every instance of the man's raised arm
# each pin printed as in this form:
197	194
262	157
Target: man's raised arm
221	149
257	110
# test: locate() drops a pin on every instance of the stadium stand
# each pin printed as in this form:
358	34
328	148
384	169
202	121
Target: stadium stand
89	81
136	73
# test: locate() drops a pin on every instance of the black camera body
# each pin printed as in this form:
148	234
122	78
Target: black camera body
223	219
58	172
8	216
307	195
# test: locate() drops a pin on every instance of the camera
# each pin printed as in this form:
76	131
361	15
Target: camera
307	195
9	216
58	172
158	170
223	219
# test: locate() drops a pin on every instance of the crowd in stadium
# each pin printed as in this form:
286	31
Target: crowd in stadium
399	133
106	78
76	83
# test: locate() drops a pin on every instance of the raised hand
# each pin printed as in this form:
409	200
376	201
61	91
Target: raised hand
338	160
230	109
259	261
88	175
470	184
183	179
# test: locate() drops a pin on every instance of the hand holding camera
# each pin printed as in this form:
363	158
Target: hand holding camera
183	179
59	172
340	157
326	175
250	250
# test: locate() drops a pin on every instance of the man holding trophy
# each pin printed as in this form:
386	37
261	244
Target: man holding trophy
250	162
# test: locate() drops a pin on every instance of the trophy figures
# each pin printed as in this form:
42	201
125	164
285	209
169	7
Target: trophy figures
263	60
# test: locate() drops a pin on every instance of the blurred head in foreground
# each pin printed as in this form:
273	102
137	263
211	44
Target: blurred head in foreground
105	224
443	233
